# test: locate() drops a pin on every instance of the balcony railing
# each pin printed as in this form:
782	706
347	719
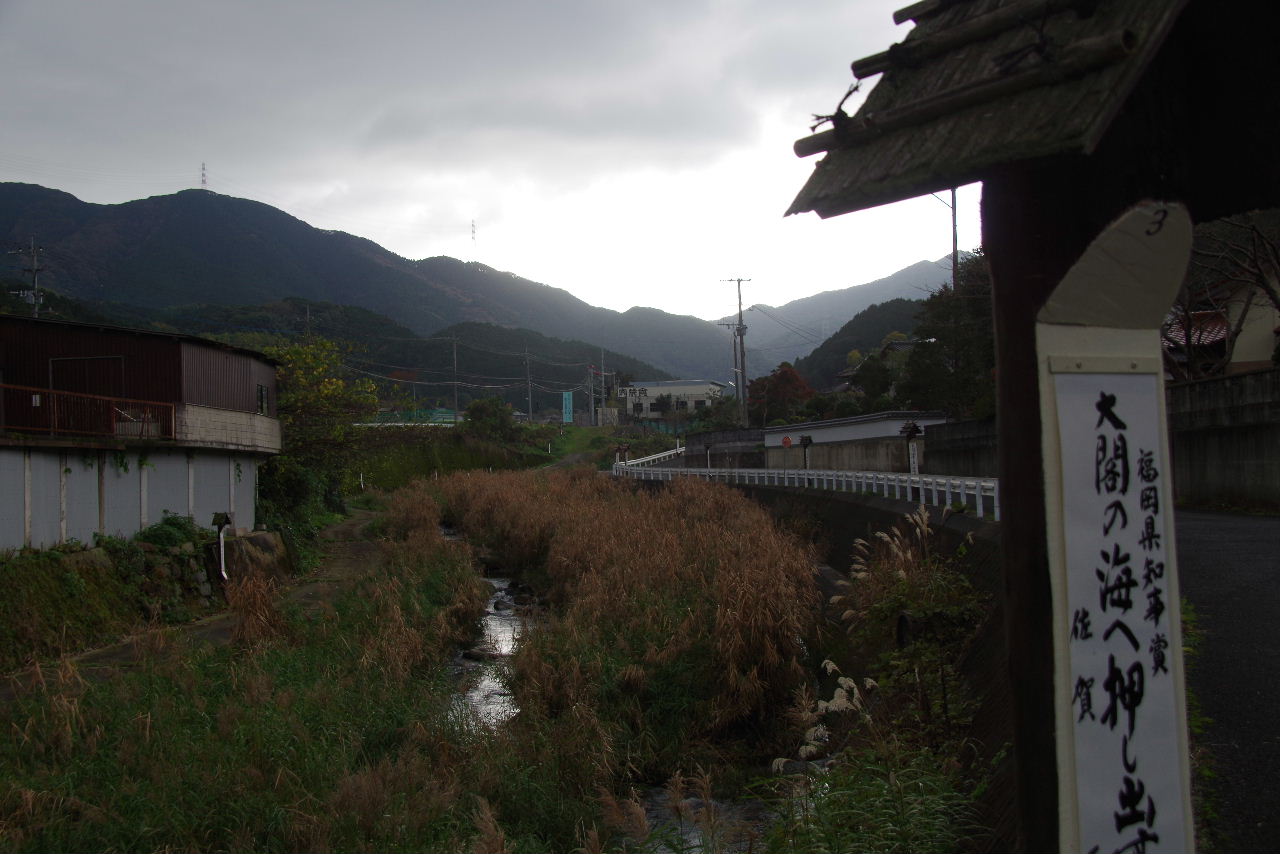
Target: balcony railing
24	409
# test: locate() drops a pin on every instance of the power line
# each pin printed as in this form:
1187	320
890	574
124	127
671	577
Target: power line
808	336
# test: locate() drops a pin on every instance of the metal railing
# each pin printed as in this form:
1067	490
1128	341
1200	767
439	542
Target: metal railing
660	457
25	409
982	494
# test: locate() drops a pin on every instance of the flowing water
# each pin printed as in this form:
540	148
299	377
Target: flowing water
695	825
486	663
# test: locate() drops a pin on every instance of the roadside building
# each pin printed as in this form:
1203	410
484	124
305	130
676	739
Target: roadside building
104	430
654	400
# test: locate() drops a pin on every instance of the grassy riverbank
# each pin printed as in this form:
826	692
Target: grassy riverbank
685	637
314	731
682	644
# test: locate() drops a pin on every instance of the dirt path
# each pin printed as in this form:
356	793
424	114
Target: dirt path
570	460
347	556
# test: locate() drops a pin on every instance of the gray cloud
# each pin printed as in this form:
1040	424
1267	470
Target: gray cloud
396	119
655	82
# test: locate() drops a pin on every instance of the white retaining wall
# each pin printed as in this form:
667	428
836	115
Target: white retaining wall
51	495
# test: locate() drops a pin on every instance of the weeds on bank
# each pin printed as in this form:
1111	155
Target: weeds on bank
678	634
677	622
678	628
330	731
893	771
65	599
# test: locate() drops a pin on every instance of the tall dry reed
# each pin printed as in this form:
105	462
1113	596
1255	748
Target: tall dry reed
252	598
679	616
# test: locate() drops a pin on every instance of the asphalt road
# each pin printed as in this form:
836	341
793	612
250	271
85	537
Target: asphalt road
1229	568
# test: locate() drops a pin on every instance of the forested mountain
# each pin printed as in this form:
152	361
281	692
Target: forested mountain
790	331
491	360
196	247
864	333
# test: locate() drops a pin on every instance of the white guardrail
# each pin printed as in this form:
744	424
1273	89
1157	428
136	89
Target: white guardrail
982	494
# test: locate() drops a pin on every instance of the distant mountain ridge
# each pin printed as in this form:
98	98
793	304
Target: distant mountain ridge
795	329
197	247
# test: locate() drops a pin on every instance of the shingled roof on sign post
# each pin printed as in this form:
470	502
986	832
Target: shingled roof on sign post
978	84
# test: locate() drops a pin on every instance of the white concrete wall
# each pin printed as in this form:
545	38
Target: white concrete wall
847	429
166	485
12	501
51	495
81	494
44	497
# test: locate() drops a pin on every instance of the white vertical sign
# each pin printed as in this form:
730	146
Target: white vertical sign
1121	609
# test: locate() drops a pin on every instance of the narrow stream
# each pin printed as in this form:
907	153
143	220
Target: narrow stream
486	664
726	826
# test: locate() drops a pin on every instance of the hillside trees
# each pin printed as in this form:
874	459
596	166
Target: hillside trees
862	334
778	396
490	418
317	404
952	365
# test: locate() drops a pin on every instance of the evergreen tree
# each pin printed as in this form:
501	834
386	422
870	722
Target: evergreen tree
952	365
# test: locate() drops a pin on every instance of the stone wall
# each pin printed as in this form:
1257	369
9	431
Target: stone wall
730	449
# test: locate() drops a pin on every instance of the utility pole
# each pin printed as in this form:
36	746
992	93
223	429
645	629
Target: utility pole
528	383
591	396
602	385
455	382
955	237
740	332
955	243
733	345
33	295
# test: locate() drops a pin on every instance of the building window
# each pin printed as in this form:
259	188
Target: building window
262	400
698	404
637	408
682	404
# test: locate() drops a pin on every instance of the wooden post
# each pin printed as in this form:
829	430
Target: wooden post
1036	221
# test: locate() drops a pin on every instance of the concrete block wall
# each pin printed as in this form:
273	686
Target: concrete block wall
226	428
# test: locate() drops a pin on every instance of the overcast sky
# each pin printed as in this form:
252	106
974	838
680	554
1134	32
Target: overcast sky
633	153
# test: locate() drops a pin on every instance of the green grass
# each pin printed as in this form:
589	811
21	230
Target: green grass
325	736
881	799
392	457
71	597
341	729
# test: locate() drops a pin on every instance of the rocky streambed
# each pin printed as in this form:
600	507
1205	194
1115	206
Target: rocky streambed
485	665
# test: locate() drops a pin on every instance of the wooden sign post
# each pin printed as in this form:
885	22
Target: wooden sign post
1119	712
